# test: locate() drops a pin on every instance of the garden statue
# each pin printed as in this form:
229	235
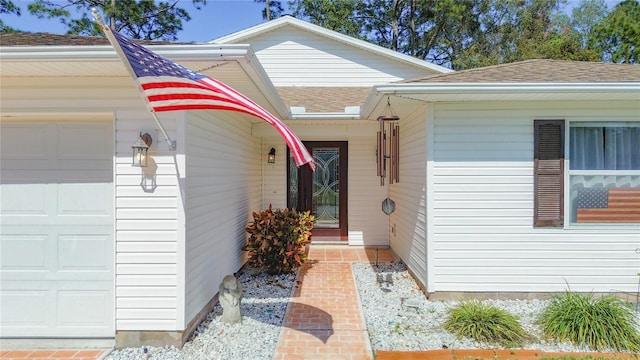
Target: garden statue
229	296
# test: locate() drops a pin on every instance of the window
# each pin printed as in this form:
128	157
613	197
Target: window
603	173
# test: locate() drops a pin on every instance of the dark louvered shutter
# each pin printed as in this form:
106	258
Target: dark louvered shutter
548	173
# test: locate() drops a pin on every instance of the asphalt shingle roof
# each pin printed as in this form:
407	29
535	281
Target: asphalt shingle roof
46	39
540	71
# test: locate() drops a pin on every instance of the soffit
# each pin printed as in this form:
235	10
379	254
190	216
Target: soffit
230	66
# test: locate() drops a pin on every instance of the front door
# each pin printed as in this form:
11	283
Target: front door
323	191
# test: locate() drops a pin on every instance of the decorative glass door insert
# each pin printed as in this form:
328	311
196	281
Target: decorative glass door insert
326	192
323	191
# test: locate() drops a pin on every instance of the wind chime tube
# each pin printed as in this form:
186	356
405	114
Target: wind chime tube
392	155
381	153
396	168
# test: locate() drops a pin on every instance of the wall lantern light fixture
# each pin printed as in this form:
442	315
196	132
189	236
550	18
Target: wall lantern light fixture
271	157
140	149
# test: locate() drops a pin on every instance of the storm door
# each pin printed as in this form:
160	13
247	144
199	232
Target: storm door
323	191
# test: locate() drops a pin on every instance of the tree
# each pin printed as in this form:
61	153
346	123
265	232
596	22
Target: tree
618	35
586	16
272	9
338	15
8	7
138	19
459	34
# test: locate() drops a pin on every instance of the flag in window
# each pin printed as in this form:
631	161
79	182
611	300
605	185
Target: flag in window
608	205
167	86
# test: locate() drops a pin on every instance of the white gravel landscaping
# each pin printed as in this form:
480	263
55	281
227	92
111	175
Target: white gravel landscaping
263	306
398	317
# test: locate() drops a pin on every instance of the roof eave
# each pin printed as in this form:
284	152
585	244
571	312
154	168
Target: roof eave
471	88
472	91
106	52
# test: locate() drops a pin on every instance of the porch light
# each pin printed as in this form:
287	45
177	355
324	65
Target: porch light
271	157
140	149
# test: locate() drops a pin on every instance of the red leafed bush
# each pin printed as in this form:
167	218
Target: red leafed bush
277	239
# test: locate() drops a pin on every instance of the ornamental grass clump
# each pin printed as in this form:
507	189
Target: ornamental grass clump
277	239
485	323
604	322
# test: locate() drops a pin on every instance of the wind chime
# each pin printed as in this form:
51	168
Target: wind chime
388	147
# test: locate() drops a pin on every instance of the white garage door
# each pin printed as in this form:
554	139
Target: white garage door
56	229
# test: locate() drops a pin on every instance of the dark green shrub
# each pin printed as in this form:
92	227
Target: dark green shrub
277	239
485	323
602	323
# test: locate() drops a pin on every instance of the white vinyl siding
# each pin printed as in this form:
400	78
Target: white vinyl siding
293	57
223	167
274	186
484	239
368	225
409	219
147	228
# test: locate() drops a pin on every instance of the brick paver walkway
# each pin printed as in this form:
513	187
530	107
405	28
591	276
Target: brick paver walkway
323	320
52	354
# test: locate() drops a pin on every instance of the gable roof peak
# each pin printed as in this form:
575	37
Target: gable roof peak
289	20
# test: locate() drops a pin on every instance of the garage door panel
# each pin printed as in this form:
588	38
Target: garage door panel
84	199
23	308
82	308
77	198
56	229
23	252
71	308
84	253
57	253
26	141
84	141
23	199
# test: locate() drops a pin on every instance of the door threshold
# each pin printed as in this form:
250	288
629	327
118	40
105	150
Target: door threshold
328	241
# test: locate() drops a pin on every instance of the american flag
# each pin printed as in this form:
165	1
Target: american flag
608	205
167	86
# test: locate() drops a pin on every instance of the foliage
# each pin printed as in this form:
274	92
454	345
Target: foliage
463	34
337	15
277	239
138	19
272	9
618	35
486	323
8	7
586	16
602	323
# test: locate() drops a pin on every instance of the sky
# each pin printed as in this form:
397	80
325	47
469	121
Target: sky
217	18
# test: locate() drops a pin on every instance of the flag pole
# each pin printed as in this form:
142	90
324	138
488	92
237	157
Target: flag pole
105	30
